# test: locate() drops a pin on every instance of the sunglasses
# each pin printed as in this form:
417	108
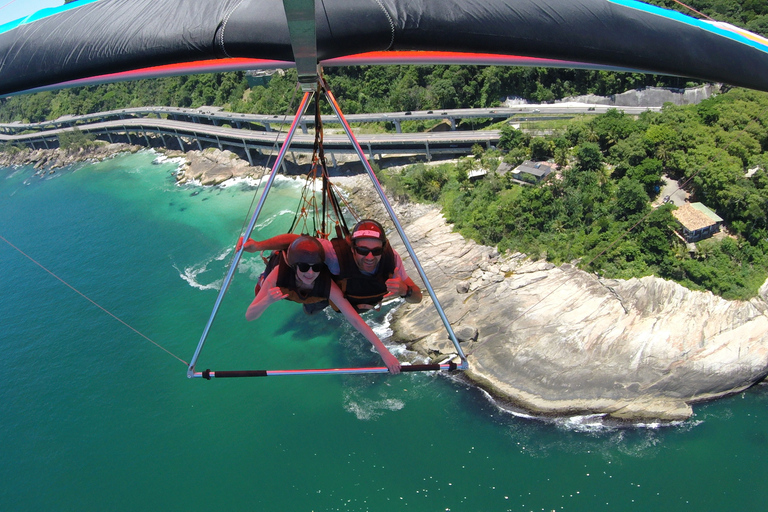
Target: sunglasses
304	267
363	251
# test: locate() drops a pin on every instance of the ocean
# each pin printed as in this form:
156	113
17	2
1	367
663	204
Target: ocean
97	414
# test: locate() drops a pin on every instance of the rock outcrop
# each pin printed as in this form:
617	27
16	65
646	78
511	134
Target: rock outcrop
48	160
213	167
555	340
559	341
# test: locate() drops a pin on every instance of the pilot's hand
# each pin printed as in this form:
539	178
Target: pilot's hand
397	286
391	362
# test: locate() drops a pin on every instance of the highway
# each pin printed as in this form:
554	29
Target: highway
216	116
181	128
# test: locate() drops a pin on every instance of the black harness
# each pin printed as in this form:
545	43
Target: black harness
359	288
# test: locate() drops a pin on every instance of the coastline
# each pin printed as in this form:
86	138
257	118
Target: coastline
547	340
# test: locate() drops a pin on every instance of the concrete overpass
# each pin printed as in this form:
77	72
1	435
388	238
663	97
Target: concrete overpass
261	122
189	135
247	133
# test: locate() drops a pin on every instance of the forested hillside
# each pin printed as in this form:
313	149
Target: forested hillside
359	89
597	208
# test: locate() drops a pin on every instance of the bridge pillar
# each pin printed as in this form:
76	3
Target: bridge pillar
453	123
267	127
247	153
303	127
426	149
397	126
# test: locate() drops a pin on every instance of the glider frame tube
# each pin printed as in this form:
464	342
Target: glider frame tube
278	162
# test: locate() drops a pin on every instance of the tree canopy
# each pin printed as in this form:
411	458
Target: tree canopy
597	209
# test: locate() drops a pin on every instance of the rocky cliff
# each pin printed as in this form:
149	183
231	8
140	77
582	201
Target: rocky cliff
559	341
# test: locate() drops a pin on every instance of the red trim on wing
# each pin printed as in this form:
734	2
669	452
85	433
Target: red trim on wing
370	58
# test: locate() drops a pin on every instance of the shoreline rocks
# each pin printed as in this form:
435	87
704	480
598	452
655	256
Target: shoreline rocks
46	161
212	167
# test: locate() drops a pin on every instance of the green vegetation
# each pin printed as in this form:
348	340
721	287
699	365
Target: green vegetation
750	14
76	139
597	210
359	89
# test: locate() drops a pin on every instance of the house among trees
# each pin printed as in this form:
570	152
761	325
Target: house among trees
697	221
539	170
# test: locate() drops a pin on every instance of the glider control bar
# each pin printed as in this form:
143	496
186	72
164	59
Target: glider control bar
208	374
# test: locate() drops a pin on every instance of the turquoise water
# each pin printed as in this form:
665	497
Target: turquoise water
94	417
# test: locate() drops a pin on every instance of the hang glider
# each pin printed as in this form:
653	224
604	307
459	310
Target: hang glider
112	38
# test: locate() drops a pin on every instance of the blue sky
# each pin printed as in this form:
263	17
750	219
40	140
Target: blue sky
14	9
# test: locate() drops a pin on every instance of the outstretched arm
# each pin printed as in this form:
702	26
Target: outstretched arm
358	323
268	294
276	243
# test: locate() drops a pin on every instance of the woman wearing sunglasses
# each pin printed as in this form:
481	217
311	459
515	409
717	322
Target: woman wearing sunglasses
301	276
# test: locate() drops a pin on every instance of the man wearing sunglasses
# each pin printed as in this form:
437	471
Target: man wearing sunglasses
364	264
369	269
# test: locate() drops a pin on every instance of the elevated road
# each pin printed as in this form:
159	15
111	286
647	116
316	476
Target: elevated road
187	135
185	129
217	117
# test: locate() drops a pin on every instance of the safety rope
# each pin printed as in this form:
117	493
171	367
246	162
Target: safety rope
694	10
327	218
94	302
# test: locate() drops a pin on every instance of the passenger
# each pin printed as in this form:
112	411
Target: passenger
302	276
364	264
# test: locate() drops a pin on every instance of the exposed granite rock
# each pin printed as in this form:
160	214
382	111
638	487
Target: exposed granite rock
213	167
48	160
558	341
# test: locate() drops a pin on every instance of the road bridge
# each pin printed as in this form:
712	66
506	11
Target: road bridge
188	135
246	133
261	122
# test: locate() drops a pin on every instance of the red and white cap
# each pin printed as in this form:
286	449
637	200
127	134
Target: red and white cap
368	229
